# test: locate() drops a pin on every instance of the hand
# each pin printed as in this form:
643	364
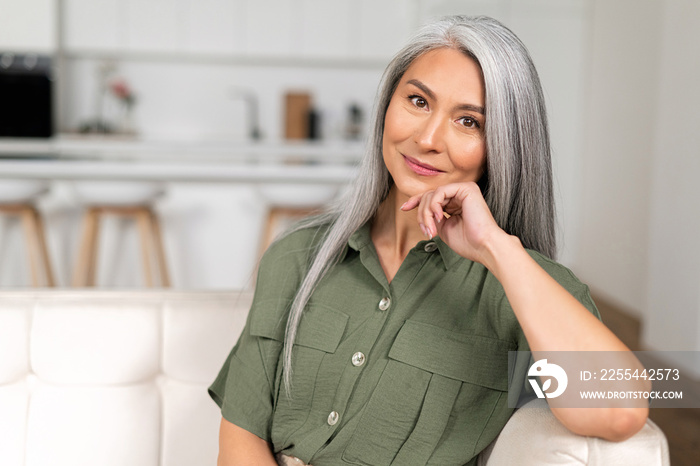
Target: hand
469	226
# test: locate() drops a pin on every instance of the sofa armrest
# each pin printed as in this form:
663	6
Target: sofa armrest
533	436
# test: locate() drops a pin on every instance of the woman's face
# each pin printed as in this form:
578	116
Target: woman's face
434	125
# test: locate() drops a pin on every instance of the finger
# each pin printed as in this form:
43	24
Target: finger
411	203
437	203
425	215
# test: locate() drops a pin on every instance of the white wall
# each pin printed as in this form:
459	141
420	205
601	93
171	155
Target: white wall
673	308
196	100
639	199
620	123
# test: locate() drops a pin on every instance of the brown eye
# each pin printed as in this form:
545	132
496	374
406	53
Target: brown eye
469	122
418	101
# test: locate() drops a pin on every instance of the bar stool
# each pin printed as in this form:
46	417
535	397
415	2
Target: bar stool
131	200
17	199
288	203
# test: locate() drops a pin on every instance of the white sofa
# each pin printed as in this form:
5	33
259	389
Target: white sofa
119	378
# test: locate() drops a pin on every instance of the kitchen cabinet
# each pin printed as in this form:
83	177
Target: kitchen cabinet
279	31
96	24
215	26
28	25
322	36
383	27
430	9
154	25
270	28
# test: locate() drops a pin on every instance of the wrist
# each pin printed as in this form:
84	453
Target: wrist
499	249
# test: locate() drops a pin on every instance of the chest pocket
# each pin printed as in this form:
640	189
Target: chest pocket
320	328
320	331
438	387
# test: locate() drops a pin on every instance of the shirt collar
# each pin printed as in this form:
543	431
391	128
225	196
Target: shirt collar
361	238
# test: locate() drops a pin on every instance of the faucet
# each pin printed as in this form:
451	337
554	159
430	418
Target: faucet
251	101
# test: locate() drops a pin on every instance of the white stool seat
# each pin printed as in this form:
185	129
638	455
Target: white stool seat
17	191
117	193
289	202
128	199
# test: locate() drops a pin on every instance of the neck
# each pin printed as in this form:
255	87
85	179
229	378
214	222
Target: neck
395	232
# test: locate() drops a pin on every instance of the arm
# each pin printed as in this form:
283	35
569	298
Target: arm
238	447
550	317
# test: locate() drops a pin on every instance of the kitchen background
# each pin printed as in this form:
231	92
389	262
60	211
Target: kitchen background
619	77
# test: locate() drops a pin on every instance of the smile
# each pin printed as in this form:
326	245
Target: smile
420	168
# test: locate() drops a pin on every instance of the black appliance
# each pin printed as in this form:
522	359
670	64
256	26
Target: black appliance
26	102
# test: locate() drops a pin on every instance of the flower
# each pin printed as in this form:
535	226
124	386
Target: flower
122	91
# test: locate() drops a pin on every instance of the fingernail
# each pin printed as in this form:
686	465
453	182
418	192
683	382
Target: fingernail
403	205
438	217
424	230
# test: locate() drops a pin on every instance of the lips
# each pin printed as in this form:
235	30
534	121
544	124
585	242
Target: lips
420	167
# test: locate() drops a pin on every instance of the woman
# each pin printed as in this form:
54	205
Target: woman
380	332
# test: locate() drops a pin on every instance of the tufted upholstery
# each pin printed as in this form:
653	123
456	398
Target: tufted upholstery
113	378
116	378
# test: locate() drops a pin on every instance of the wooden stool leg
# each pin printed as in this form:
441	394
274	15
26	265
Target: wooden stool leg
270	228
159	250
84	274
30	235
274	217
144	222
43	249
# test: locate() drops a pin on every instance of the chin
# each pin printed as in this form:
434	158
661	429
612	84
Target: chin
410	188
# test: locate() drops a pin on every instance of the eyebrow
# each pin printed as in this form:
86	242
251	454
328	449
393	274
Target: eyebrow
431	95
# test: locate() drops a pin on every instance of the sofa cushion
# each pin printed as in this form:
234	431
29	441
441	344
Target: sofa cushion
95	377
96	341
94	425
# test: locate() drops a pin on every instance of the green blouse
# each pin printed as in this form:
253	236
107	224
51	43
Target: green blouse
410	372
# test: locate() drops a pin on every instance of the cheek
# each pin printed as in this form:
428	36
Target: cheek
472	157
397	126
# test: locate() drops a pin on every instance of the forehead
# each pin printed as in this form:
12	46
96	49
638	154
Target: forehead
449	72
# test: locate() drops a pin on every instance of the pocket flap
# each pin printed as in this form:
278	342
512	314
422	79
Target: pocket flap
321	327
469	358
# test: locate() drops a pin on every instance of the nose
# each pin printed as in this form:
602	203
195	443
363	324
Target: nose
430	134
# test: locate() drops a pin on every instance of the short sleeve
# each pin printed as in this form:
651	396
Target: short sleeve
247	382
245	385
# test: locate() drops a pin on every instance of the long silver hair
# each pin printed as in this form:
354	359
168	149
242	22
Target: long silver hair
517	183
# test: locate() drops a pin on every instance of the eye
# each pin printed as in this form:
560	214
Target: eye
469	122
418	101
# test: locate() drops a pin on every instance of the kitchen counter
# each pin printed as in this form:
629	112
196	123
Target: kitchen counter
60	169
223	161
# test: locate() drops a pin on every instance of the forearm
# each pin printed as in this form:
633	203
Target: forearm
238	447
553	320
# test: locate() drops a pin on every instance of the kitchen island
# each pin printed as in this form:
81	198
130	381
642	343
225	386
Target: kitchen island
215	203
198	161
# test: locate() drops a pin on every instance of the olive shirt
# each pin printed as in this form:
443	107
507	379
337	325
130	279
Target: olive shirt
409	372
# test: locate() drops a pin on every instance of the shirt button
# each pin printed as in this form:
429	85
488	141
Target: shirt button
430	247
385	303
358	359
333	418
